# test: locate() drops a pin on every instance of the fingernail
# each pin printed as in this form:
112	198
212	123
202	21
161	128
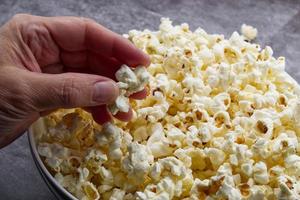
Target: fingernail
105	91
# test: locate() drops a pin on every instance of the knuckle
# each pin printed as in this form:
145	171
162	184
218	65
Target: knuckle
19	18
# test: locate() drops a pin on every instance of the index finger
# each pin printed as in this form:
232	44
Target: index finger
77	34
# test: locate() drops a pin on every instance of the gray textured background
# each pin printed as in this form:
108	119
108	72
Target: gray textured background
278	24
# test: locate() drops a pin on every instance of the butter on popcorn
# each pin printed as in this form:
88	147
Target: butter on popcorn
221	121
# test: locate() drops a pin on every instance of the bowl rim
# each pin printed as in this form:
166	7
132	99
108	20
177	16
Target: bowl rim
39	161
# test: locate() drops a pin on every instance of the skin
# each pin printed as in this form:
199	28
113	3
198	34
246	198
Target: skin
48	63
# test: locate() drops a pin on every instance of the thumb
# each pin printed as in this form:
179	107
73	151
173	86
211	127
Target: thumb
68	90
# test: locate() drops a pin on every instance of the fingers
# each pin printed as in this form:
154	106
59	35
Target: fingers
78	34
69	90
100	114
93	63
140	95
100	64
75	59
126	117
53	69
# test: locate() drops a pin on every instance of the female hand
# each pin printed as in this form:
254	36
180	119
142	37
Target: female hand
59	62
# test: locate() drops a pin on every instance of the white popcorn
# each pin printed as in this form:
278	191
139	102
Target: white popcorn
117	194
233	160
260	173
54	163
261	148
83	174
121	104
256	193
90	191
263	124
228	191
130	81
249	32
137	163
168	166
165	189
158	143
205	133
247	168
111	135
106	175
292	163
221	121
287	188
216	156
285	144
96	155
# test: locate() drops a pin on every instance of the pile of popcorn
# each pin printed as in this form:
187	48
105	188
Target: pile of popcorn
221	121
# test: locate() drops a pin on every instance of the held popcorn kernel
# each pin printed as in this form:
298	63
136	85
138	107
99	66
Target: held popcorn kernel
221	122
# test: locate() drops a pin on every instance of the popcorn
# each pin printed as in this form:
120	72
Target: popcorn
260	148
221	121
216	156
117	194
260	173
137	163
247	168
158	143
256	193
111	135
292	163
121	104
228	191
175	166
130	81
249	32
90	191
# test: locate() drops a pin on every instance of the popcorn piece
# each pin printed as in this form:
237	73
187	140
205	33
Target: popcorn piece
158	143
287	188
249	32
216	156
117	194
90	191
247	168
292	163
137	162
121	104
95	159
174	165
111	135
260	173
130	81
256	193
228	191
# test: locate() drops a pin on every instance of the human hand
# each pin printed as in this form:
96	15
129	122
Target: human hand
59	62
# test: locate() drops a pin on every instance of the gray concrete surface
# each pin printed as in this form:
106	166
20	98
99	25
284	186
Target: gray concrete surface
278	23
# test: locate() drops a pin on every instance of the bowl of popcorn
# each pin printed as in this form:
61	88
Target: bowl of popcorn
221	121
